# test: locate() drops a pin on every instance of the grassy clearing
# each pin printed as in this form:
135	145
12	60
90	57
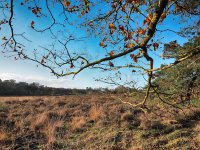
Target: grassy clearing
94	122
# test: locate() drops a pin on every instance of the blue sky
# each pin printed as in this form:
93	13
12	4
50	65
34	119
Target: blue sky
21	70
28	72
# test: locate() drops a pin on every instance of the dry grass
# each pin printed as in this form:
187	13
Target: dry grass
127	116
147	121
197	129
135	148
19	124
3	135
77	123
92	122
50	131
96	113
39	121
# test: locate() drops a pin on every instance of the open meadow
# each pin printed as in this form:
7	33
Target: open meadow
94	122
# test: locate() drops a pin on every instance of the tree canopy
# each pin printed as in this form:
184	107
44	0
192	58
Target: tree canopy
184	76
131	34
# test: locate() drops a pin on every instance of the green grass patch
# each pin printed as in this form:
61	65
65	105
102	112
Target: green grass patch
195	103
178	142
156	130
3	107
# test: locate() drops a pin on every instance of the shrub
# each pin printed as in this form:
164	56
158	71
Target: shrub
95	113
77	123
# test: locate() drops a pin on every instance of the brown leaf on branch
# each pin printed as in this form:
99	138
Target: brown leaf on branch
111	53
6	5
121	28
129	45
112	31
155	46
135	59
132	56
32	24
163	16
72	66
133	2
137	40
36	10
66	3
124	7
113	6
133	70
4	38
112	26
148	19
141	31
111	64
129	36
101	44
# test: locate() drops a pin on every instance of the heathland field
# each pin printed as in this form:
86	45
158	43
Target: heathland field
94	122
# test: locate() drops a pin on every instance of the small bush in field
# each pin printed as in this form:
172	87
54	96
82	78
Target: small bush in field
77	123
40	121
3	135
127	116
50	131
95	113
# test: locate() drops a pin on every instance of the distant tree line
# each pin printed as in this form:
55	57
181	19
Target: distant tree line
13	88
